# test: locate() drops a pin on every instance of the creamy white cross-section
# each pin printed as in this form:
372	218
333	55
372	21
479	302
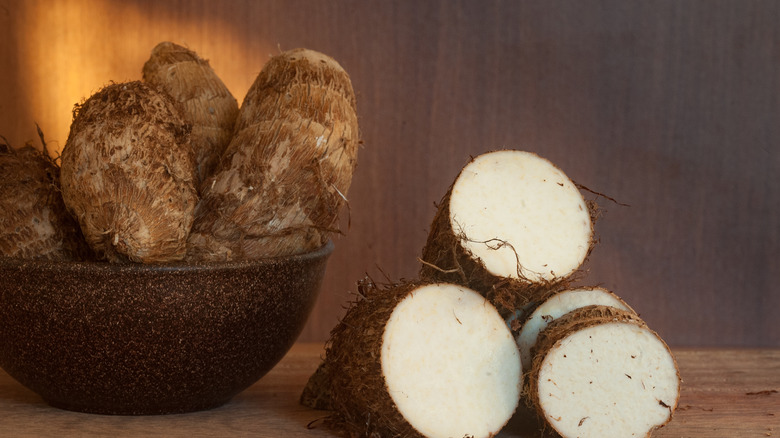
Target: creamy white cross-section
608	380
450	363
521	216
556	306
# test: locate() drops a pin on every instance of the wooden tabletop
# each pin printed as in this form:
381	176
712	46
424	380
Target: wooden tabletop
726	393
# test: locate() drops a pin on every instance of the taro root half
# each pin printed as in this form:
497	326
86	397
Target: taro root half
511	226
418	359
600	371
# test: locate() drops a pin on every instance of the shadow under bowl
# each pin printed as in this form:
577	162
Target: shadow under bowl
137	339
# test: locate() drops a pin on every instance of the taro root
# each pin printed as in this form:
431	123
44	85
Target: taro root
600	371
511	226
556	305
206	102
285	174
417	359
34	223
128	174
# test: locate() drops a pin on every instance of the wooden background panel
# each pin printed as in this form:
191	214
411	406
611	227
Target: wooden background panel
670	107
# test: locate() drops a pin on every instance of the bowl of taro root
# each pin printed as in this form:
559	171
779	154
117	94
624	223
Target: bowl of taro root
140	339
171	254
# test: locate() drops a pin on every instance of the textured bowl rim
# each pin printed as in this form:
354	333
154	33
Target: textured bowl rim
103	266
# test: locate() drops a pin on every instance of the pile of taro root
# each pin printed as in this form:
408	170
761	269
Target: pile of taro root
169	169
493	327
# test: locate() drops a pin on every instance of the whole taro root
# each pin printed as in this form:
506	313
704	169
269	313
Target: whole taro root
128	174
206	102
34	223
285	174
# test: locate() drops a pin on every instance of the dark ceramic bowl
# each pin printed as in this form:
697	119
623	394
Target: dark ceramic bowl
139	340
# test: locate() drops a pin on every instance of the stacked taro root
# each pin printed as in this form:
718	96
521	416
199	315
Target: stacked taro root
169	169
493	322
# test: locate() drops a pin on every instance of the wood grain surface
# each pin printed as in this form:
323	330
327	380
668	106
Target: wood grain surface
671	107
726	393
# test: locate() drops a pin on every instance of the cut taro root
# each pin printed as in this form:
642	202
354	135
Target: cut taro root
509	215
601	372
557	305
420	359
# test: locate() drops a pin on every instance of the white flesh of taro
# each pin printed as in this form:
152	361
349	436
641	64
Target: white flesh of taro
522	199
608	380
450	363
557	306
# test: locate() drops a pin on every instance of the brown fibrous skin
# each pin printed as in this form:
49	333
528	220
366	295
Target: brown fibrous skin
562	327
284	177
206	102
34	223
316	394
128	174
350	381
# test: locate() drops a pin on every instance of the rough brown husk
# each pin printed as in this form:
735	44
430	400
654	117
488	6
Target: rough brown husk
358	397
284	177
316	394
128	174
206	102
34	223
561	328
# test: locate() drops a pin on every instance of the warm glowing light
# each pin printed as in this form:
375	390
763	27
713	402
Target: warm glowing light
73	48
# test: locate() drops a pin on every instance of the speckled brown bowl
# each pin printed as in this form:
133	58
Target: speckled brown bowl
140	340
